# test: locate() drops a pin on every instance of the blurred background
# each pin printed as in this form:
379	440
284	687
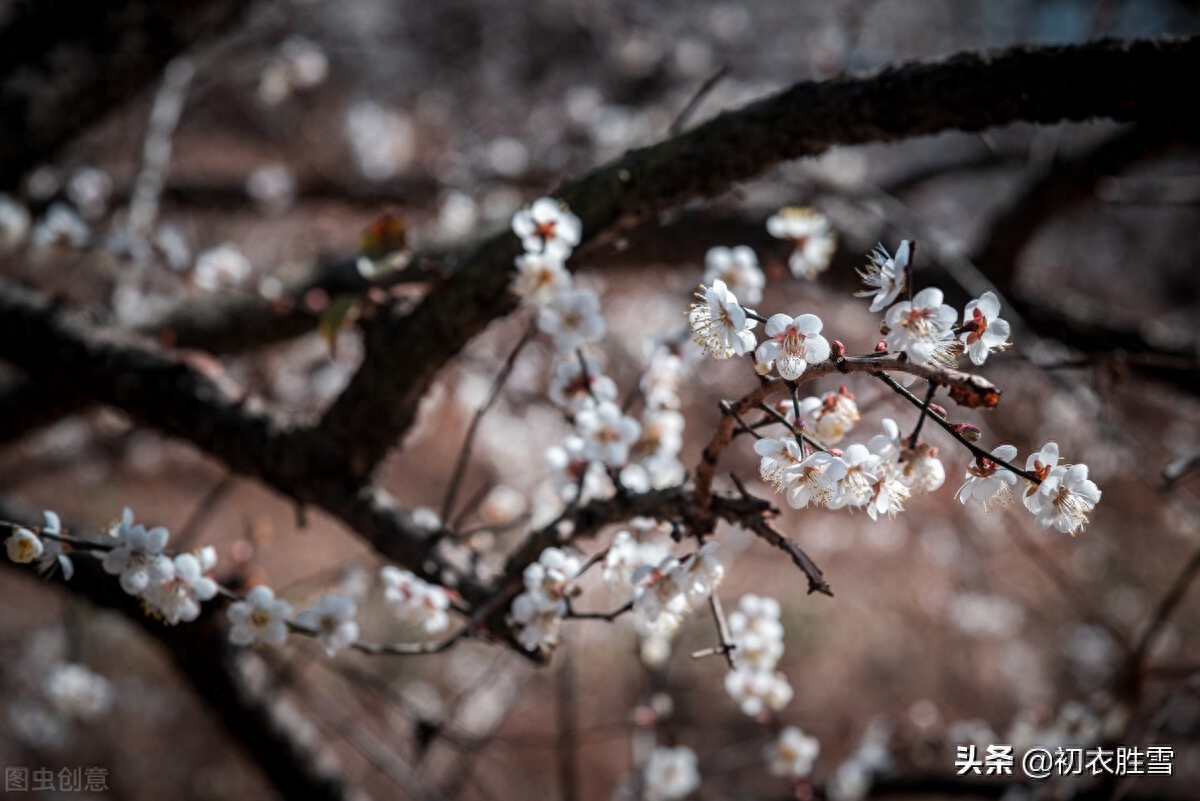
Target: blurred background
292	130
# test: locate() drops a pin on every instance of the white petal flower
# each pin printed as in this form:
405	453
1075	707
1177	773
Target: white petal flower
538	621
863	472
179	597
884	276
625	555
415	600
738	268
719	324
755	629
833	415
61	227
570	389
54	552
1064	499
15	221
76	692
793	343
921	469
701	573
661	602
138	556
261	618
572	317
222	266
540	277
983	330
778	456
814	480
989	483
812	239
607	433
793	754
757	691
548	227
23	546
923	328
671	774
332	619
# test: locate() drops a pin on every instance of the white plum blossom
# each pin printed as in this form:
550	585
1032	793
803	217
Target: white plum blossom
572	317
76	692
570	389
538	625
921	469
719	324
813	240
1043	461
701	573
756	691
23	546
833	415
382	141
863	471
546	226
663	379
671	774
222	266
662	432
885	276
261	618
923	328
887	445
989	483
625	555
540	277
755	629
814	480
661	602
778	456
54	553
537	613
178	598
332	619
1064	499
89	190
983	331
300	63
607	433
888	495
15	221
793	343
415	600
738	268
61	227
137	555
792	755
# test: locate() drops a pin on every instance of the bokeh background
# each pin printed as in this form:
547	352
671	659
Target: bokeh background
307	121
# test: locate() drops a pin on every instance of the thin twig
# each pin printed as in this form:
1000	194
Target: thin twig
204	511
464	456
686	112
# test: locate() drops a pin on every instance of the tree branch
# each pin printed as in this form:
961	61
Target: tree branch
1123	80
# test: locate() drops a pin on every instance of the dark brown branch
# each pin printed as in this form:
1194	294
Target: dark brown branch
64	64
1124	81
202	653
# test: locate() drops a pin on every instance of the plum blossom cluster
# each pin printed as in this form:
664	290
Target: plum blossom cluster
755	685
173	588
538	612
878	475
608	446
415	600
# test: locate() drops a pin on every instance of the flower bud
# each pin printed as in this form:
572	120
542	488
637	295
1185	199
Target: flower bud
968	432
